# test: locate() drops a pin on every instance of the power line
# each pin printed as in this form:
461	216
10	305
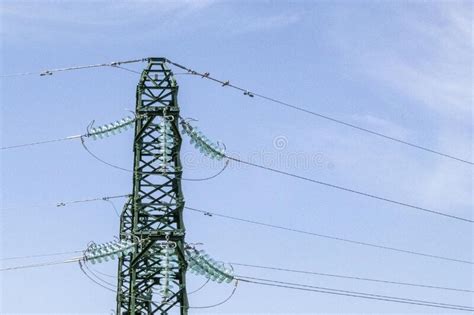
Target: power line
306	272
66	203
42	255
41	142
117	64
350	292
266	168
112	204
101	160
110	287
369	195
305	288
42	264
282	284
52	71
201	287
326	117
118	126
126	69
81	266
336	238
222	302
205	146
268	225
269	268
356	294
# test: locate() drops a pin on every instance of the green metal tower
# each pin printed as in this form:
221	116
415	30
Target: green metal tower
152	279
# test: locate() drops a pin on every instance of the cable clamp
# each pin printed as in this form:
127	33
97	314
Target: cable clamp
248	93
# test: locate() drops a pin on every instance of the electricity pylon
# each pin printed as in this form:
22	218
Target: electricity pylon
152	279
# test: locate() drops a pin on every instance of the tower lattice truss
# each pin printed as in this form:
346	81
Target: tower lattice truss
152	280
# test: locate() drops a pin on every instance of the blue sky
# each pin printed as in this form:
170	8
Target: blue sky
402	67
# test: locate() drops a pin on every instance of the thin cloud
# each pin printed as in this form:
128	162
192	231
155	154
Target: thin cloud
382	125
19	17
442	81
263	23
430	65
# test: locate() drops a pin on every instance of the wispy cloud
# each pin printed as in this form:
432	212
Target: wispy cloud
442	79
87	17
263	23
429	63
19	17
382	125
94	12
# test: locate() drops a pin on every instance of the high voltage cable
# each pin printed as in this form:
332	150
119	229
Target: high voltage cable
40	142
358	192
352	292
287	174
236	283
268	225
279	227
94	253
356	294
297	176
110	287
369	195
86	148
288	285
42	264
306	272
81	266
101	160
52	71
200	287
248	93
65	203
94	133
307	111
42	255
215	151
129	70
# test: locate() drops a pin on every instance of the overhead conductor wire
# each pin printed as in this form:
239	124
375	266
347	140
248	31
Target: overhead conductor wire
350	190
138	172
206	75
249	93
356	294
70	202
110	287
336	238
51	263
209	213
196	137
52	71
41	255
306	272
40	142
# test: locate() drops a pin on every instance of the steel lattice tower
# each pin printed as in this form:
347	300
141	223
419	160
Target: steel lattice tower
152	280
